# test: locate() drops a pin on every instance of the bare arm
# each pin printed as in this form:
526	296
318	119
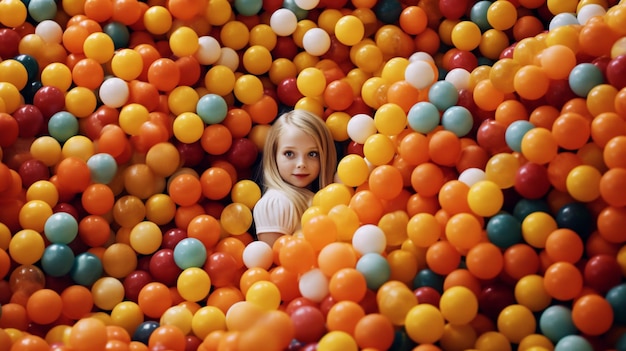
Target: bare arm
269	238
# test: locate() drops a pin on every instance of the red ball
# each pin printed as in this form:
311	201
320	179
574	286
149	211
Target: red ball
191	154
616	72
222	268
426	294
287	92
490	136
9	43
602	272
453	9
309	324
33	170
163	267
171	237
134	282
531	181
49	100
285	48
30	121
243	153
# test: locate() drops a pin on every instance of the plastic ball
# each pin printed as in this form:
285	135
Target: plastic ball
574	343
193	284
189	252
25	247
87	269
424	324
504	230
588	175
283	22
515	133
349	30
361	127
114	92
583	77
485	198
57	260
61	228
556	322
258	254
314	285
423	117
458	120
466	35
516	322
443	95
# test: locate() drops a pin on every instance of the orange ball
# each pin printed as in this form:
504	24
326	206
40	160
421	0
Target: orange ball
564	245
485	260
592	314
444	148
571	131
563	281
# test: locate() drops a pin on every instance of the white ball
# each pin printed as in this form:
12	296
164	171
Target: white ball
209	50
283	22
589	11
459	77
369	238
316	41
307	4
258	254
472	176
421	56
562	19
49	31
360	127
313	285
419	74
228	58
114	92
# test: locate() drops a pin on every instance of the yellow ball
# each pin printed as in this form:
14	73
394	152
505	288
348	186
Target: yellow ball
466	35
183	41
188	127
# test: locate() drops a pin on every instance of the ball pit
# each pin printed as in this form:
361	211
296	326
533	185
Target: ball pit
479	196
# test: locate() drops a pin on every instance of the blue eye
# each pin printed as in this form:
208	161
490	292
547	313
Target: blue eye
288	153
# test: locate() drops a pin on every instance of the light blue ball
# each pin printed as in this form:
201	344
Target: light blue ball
248	7
556	323
443	95
375	269
41	10
573	343
584	77
515	133
423	117
458	120
61	228
478	15
62	126
103	168
212	108
189	252
87	268
57	260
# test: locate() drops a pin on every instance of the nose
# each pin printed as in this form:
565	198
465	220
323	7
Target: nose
301	162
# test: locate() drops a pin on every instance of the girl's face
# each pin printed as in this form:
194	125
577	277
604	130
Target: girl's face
297	157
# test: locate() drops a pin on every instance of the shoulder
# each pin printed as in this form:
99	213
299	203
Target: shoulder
275	212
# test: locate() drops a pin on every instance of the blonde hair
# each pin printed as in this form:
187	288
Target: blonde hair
314	126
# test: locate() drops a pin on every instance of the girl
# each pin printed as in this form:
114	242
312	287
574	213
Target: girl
299	158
